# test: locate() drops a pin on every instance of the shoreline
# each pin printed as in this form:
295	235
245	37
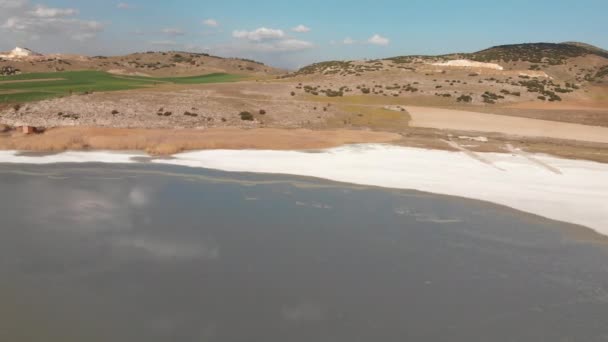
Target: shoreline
566	190
166	142
171	141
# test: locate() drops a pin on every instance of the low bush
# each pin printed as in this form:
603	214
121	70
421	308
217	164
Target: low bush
246	116
465	98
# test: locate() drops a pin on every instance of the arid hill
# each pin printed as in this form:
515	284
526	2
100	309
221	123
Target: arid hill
541	72
140	64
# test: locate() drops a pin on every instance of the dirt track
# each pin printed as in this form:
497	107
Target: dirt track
490	123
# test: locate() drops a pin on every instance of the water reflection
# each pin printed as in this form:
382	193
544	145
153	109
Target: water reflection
148	253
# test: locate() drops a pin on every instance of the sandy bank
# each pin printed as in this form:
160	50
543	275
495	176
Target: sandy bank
166	141
481	122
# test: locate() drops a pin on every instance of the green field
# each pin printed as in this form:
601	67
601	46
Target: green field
58	84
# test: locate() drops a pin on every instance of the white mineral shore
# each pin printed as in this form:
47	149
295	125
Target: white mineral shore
572	191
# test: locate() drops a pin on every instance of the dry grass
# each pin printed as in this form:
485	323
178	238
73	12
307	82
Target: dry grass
371	117
375	100
166	142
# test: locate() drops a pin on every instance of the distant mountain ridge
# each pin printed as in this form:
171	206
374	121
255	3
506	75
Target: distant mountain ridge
552	53
151	63
588	47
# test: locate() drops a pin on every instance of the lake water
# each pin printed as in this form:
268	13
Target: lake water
92	252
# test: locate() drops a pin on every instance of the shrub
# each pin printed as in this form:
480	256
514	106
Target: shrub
334	93
293	93
246	116
114	112
465	98
262	112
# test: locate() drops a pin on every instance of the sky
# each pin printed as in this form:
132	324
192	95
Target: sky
292	34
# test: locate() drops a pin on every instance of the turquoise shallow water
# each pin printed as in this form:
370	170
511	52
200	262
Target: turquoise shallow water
156	253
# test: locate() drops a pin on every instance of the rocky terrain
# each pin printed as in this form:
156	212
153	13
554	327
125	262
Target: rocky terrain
504	74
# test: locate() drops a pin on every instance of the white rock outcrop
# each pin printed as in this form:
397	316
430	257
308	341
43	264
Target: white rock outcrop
18	53
465	63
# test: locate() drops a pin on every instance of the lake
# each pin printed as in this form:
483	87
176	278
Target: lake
142	252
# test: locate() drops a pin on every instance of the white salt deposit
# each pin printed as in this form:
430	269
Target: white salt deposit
68	157
465	63
576	193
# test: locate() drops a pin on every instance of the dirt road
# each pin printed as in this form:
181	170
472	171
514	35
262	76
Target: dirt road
480	122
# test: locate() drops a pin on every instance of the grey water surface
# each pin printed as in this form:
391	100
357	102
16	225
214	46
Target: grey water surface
92	252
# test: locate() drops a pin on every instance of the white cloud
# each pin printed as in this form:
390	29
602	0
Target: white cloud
41	11
125	6
211	22
301	29
348	41
35	27
379	40
259	34
172	31
21	21
270	40
12	3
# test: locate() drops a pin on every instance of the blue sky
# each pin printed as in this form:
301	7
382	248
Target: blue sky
266	30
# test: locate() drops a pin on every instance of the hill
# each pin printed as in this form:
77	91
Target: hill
547	53
501	74
588	47
160	64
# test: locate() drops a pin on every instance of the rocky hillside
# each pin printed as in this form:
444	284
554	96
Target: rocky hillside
507	73
142	64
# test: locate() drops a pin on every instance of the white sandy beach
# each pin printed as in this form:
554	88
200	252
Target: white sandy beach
566	190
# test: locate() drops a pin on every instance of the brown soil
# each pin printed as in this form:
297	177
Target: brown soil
489	123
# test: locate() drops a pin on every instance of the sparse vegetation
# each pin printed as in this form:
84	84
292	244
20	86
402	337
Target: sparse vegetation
465	98
538	53
491	98
9	71
246	116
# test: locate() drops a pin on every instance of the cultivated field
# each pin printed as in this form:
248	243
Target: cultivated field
38	86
